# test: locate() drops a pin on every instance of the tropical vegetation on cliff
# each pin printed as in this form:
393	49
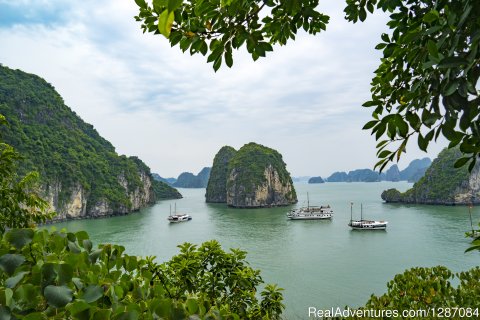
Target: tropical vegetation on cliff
250	162
67	152
217	184
441	184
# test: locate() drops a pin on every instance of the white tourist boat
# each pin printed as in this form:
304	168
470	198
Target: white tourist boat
311	212
178	217
365	224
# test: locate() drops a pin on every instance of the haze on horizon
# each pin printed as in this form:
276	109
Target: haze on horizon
172	111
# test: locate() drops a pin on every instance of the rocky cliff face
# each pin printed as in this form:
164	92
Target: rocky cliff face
254	176
217	183
442	184
273	192
77	205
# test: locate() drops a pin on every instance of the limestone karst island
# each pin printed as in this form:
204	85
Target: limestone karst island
255	176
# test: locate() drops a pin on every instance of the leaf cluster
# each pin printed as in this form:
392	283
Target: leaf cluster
424	288
60	275
214	28
426	84
20	204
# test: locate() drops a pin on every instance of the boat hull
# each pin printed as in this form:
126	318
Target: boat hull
368	225
325	216
179	218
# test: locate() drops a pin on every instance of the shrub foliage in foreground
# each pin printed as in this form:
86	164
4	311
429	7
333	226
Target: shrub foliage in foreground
60	275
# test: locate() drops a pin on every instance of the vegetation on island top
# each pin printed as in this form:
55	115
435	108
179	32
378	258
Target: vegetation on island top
427	80
249	164
441	182
65	150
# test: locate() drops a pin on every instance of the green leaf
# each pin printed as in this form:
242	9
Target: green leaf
77	306
87	244
461	162
13	281
165	22
94	255
370	124
141	3
432	48
431	16
402	126
9	262
228	58
19	237
164	307
422	142
385	38
174	5
217	63
384	154
92	293
362	14
58	296
65	273
102	314
192	306
452	62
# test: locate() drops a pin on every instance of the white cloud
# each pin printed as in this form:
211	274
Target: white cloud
174	112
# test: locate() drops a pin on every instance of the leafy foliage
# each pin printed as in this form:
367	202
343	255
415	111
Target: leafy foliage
66	151
60	275
20	205
216	27
428	288
426	84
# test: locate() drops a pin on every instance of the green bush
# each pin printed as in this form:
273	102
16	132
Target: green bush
60	275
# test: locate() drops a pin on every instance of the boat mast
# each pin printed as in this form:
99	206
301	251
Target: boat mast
351	212
361	211
308	201
170	210
470	212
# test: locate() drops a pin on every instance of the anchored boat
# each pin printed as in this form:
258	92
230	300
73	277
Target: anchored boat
365	224
311	212
178	217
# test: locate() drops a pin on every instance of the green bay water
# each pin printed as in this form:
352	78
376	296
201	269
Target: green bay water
320	264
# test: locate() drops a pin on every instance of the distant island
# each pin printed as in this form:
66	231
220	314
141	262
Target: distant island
316	180
412	173
442	184
81	174
187	179
168	181
255	176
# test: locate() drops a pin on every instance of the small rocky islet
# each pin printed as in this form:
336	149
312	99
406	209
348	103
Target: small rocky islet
255	176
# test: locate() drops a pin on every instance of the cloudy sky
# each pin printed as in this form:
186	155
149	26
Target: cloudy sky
174	112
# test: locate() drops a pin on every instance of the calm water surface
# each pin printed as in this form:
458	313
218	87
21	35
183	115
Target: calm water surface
319	263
